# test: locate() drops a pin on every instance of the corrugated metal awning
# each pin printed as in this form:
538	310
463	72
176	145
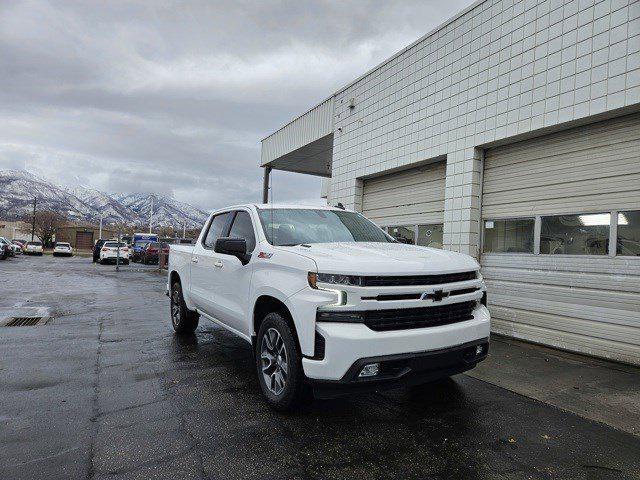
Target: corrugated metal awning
305	144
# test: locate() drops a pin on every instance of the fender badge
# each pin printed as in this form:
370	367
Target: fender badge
265	255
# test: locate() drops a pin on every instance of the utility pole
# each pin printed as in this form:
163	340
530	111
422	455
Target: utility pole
33	220
184	230
100	232
151	214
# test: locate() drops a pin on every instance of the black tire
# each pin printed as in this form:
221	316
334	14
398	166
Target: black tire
184	321
295	389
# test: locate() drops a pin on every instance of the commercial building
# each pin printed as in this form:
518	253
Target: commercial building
15	230
511	133
82	237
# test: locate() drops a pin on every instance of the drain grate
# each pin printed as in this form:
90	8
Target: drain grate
23	321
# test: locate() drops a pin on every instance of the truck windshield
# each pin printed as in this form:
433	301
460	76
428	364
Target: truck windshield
293	226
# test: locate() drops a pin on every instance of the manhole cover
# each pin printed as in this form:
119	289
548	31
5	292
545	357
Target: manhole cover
25	321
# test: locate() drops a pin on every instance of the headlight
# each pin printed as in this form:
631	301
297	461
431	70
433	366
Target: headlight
333	279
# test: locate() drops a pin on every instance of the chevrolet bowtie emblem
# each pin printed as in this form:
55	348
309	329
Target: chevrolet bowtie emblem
436	296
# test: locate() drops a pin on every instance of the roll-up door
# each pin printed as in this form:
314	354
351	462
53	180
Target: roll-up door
84	240
549	205
408	197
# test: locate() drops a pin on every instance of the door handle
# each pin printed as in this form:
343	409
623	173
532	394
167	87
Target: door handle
194	260
218	264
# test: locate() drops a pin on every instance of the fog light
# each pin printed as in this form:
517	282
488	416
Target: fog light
479	349
370	370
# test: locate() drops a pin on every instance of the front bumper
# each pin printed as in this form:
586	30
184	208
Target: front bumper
347	343
405	369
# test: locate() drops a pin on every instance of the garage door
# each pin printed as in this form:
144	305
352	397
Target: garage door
84	240
408	197
561	238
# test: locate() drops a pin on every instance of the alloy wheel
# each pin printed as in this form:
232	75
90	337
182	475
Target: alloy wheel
274	361
175	307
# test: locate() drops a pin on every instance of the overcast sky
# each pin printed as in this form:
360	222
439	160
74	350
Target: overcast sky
174	96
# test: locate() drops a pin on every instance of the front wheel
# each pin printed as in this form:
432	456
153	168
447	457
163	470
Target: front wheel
184	321
279	364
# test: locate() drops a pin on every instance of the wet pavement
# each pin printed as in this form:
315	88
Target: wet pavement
104	390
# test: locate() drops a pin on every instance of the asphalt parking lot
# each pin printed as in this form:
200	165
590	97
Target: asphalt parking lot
104	390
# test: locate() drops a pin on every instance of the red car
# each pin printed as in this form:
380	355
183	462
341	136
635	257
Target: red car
151	251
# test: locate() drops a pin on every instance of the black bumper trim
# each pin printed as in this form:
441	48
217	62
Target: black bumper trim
404	369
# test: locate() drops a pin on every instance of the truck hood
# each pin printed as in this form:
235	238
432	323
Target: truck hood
374	258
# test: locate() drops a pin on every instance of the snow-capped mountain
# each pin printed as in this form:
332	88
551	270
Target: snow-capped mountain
18	189
166	210
110	209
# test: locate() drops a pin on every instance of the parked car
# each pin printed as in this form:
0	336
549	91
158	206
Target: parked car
329	301
4	251
137	249
20	244
109	252
10	247
144	237
151	252
62	249
96	249
34	247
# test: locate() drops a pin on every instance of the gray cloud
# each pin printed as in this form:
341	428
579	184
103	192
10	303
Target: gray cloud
173	96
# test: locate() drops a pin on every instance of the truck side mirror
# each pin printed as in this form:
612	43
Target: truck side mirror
233	246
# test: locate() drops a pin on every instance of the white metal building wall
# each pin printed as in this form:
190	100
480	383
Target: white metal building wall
585	169
584	303
498	69
407	197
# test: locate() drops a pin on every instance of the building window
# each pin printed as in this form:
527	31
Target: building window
430	235
628	243
509	236
404	234
575	234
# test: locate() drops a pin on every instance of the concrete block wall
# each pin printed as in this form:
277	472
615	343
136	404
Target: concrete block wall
500	68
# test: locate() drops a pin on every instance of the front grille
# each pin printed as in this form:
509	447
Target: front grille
405	318
409	280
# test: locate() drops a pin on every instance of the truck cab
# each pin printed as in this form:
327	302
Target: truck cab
329	302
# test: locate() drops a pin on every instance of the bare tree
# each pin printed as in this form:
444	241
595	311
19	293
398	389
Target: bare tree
46	223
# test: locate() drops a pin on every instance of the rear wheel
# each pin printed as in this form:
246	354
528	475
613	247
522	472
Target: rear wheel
184	321
279	364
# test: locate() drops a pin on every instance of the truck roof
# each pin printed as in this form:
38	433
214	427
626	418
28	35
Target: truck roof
267	206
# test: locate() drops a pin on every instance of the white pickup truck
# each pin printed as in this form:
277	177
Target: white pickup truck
329	302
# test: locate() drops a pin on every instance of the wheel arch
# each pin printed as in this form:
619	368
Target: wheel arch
173	277
266	304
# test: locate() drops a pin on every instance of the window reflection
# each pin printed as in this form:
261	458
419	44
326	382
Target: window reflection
628	233
430	235
509	236
404	234
575	234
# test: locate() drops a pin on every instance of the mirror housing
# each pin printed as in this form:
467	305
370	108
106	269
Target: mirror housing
233	246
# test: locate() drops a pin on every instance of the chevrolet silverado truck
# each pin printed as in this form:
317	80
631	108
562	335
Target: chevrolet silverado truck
328	301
